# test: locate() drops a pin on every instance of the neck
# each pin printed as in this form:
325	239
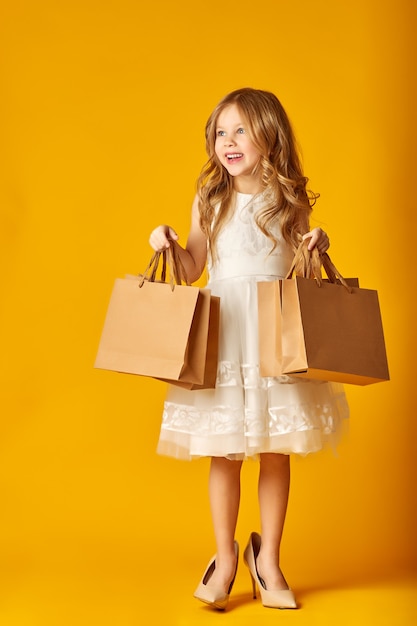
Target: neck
247	184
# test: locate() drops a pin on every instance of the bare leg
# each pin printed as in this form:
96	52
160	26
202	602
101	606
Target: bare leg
224	489
273	489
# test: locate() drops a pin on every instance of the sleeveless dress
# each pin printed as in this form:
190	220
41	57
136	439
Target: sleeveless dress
246	414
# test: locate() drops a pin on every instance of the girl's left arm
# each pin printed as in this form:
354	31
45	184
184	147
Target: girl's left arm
318	239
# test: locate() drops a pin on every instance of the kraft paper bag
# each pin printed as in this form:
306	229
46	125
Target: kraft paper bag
210	369
269	308
269	328
157	329
332	331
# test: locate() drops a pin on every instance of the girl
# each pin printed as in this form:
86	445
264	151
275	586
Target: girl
250	213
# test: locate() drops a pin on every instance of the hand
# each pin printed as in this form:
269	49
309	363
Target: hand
160	237
318	239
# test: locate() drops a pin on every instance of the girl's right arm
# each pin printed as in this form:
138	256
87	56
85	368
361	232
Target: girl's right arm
194	255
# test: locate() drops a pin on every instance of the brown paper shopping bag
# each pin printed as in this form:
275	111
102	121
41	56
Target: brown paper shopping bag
210	367
332	330
269	328
270	315
157	329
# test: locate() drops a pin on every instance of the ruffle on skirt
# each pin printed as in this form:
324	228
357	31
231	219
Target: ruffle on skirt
247	415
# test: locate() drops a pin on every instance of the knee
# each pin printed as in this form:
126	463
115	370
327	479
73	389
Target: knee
274	461
226	465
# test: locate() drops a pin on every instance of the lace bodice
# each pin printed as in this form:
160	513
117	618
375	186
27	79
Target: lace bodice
243	249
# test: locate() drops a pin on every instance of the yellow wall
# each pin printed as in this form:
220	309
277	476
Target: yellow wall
101	118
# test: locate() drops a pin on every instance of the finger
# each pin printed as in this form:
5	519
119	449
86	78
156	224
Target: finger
324	244
322	249
319	239
172	234
313	243
314	237
158	241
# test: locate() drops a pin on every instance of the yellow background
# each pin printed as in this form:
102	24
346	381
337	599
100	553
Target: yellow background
102	110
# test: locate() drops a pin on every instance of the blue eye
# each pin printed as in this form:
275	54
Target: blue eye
221	133
241	131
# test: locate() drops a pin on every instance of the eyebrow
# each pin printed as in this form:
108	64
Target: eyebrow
236	126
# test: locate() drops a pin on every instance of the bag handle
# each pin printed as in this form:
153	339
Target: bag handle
177	273
305	263
332	272
308	264
176	265
150	271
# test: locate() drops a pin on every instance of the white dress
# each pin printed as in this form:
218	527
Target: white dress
247	414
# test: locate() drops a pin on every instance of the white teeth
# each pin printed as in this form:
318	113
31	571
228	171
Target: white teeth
234	156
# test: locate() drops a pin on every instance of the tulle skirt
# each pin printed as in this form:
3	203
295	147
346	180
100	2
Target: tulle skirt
247	414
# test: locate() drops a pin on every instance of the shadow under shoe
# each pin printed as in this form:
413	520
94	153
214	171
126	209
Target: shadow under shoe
215	596
278	599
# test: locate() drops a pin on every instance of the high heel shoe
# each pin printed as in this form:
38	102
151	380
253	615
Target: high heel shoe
278	599
215	596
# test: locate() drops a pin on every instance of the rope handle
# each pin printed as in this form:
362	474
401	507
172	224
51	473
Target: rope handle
305	263
176	265
309	264
332	272
170	257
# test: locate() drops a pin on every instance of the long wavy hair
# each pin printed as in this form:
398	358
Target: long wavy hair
287	202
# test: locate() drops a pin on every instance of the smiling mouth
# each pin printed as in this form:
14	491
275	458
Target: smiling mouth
234	156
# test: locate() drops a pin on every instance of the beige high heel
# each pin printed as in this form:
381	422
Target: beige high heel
279	599
215	596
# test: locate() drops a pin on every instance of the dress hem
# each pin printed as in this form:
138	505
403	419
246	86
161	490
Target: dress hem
178	445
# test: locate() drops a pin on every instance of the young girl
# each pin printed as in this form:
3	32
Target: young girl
250	213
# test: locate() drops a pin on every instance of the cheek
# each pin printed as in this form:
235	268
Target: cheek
254	154
251	149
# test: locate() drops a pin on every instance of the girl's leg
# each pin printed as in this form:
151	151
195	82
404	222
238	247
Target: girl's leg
273	489
224	490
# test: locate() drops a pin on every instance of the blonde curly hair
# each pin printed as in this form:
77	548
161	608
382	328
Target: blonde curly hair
287	200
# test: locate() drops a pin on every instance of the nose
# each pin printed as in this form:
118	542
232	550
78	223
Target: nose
229	141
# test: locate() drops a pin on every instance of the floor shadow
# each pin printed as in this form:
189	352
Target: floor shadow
236	601
350	581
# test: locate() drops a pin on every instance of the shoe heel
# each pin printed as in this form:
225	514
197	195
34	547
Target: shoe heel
253	586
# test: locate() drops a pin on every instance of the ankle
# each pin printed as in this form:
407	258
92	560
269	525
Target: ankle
268	558
226	563
269	571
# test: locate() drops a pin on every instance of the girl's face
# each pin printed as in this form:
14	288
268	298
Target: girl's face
236	151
